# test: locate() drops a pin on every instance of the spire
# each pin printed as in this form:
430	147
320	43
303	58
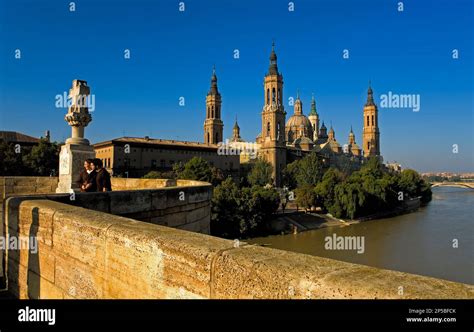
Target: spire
313	106
236	132
236	125
298	104
213	90
351	137
273	69
332	134
370	96
323	131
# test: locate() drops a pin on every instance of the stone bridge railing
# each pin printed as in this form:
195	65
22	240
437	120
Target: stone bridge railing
86	249
89	254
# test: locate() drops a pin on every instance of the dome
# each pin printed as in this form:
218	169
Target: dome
355	149
298	126
303	140
304	143
298	121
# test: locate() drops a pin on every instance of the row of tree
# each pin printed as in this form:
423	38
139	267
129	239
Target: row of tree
369	190
244	207
240	207
39	160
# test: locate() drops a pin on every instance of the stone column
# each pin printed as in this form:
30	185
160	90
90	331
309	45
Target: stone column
77	148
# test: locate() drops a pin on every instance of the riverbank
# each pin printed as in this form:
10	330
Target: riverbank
296	221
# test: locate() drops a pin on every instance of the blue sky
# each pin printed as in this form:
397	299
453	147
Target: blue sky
172	54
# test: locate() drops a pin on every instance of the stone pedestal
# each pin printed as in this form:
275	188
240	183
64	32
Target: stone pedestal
71	163
77	148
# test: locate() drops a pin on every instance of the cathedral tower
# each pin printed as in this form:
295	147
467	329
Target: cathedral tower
272	137
236	132
371	135
352	145
213	125
314	119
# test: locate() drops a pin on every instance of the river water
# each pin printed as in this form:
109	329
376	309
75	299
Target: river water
423	242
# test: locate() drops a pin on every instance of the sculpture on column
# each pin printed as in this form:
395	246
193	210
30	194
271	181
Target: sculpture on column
78	116
77	148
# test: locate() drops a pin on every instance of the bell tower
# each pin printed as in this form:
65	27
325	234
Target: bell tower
371	134
213	125
273	145
313	117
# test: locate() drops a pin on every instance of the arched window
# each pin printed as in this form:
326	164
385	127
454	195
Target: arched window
217	138
268	128
268	96
373	123
368	146
273	96
278	130
368	124
208	138
212	112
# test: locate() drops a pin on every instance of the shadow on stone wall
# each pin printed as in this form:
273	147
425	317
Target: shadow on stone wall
33	279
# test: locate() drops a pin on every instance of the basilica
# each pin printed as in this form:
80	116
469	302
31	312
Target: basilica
282	141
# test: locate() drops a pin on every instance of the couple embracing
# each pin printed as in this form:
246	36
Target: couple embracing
94	177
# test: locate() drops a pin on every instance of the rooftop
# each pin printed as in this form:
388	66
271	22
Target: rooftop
156	142
14	136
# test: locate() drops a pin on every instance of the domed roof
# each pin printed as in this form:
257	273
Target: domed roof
355	147
303	140
299	120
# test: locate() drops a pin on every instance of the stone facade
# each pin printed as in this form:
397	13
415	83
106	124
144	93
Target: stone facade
137	156
272	136
371	133
213	125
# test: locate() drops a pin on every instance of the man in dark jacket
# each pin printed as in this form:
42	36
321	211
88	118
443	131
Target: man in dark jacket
103	177
86	180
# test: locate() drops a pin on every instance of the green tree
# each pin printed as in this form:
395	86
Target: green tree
195	169
260	173
413	185
11	163
305	197
159	175
178	168
325	189
226	217
242	212
349	198
289	175
265	202
309	170
43	160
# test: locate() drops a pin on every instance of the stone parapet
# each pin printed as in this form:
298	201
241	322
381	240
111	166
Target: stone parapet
94	255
